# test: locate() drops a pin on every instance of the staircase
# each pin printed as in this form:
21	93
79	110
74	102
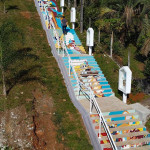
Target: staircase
98	83
124	124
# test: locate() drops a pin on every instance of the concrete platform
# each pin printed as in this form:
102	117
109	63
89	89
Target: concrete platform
142	111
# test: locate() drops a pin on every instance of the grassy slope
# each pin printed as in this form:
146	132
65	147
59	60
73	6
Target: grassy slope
71	131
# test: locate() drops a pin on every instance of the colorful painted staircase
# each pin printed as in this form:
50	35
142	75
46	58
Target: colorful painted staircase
123	122
101	80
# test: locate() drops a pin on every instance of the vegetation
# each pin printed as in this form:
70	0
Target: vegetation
122	31
148	125
31	67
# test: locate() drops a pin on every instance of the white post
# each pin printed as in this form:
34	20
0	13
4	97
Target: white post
69	67
78	92
58	45
100	127
63	49
73	17
111	44
90	103
62	9
90	50
124	98
73	25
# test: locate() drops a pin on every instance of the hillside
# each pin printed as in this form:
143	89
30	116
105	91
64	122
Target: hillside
37	112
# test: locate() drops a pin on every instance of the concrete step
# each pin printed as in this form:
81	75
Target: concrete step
141	148
110	104
131	122
92	82
124	130
89	73
130	143
121	117
127	136
88	92
124	123
103	87
99	74
118	112
97	78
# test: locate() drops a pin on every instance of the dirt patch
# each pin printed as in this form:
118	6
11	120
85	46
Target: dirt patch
118	59
141	66
33	130
26	14
44	129
136	98
16	128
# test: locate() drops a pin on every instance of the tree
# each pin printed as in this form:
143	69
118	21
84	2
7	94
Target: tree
9	35
100	24
147	69
81	16
4	8
17	64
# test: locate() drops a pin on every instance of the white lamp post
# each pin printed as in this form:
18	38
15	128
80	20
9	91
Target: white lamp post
73	17
125	76
62	4
90	39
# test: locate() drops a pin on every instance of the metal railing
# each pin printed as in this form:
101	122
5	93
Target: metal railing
98	110
80	86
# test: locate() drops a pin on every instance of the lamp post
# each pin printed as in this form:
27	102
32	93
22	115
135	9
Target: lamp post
62	4
73	17
124	84
90	39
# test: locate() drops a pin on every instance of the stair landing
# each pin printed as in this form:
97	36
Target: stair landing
106	104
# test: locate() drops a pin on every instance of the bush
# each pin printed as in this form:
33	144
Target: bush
147	69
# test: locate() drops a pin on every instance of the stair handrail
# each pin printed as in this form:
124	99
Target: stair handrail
96	107
94	100
79	83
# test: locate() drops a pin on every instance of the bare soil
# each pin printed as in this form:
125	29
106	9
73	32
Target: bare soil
26	14
45	130
138	97
23	130
16	128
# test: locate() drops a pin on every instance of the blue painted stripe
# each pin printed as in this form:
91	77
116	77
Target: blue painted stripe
107	95
105	86
116	113
118	118
108	90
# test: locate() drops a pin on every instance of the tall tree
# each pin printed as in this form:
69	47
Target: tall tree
9	35
81	16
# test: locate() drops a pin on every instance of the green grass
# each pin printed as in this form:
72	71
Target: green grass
148	125
134	64
48	78
110	70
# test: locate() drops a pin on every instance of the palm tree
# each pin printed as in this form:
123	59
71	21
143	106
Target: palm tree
100	24
132	12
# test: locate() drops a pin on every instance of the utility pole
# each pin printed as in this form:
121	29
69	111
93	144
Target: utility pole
111	44
89	22
81	16
75	3
129	55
